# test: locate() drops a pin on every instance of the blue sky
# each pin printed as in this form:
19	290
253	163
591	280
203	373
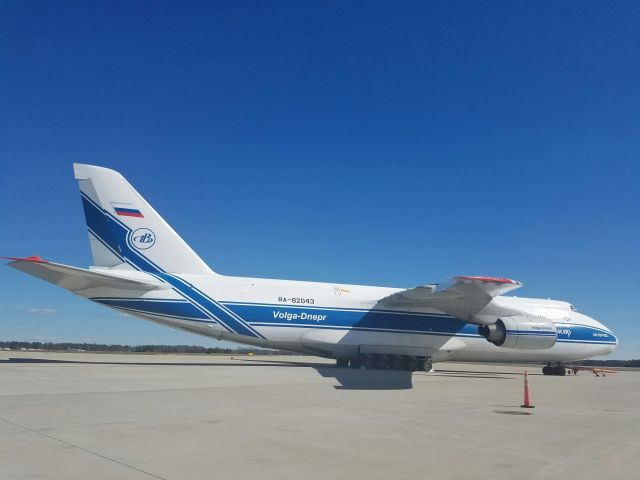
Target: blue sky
390	143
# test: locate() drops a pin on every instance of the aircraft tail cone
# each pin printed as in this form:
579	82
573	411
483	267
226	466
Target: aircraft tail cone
527	400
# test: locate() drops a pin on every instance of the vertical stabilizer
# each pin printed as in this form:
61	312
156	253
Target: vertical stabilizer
125	231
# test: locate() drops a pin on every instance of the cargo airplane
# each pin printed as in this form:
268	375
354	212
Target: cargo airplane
142	267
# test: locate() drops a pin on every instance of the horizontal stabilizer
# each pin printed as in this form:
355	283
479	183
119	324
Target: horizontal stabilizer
79	279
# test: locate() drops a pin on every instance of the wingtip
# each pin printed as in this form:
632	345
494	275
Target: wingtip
487	279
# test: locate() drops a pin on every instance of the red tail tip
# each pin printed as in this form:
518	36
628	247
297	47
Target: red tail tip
32	258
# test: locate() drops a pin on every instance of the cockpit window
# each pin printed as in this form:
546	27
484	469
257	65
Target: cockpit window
573	308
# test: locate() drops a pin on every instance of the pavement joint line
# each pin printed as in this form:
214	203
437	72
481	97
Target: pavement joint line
104	457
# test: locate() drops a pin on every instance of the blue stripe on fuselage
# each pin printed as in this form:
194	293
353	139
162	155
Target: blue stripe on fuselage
181	309
362	319
221	313
260	315
409	322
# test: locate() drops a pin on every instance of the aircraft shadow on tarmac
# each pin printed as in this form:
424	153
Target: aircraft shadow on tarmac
357	379
349	379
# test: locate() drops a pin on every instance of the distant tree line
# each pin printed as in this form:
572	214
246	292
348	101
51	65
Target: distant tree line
607	363
101	347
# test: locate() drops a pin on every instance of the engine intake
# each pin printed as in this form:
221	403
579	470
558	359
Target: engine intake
521	333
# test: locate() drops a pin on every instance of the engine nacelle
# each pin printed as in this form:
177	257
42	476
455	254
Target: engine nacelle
521	332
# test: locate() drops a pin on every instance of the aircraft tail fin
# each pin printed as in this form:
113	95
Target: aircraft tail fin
125	232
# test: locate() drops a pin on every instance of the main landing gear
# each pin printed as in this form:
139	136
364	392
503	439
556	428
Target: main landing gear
556	369
387	362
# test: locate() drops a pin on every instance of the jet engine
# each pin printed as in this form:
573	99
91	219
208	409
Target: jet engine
520	332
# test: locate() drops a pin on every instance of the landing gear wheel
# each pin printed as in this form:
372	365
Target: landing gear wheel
560	370
547	370
342	362
426	365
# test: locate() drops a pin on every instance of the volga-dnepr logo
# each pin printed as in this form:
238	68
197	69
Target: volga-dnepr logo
143	238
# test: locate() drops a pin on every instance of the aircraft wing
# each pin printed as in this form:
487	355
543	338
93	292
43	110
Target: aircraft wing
462	296
77	279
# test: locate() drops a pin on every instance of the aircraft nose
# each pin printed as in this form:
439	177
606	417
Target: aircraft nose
613	346
602	338
611	339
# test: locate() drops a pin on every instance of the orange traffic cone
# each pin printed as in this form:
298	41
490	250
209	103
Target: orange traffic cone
527	400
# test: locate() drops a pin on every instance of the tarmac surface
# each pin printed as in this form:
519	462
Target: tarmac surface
104	416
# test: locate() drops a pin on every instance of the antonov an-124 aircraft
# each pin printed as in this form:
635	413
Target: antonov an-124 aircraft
142	267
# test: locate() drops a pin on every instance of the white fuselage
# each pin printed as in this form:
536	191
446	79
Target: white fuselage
338	320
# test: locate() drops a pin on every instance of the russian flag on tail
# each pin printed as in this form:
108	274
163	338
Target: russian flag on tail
128	212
